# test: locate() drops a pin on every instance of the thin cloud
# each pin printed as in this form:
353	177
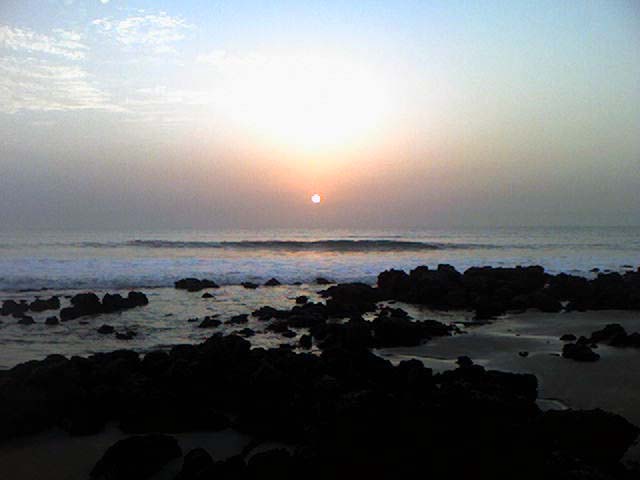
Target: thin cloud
155	32
30	84
62	43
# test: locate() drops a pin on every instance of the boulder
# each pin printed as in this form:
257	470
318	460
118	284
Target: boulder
250	285
11	307
580	352
568	337
106	329
196	465
195	284
136	458
272	282
210	322
26	320
126	335
52	321
40	305
301	300
238	319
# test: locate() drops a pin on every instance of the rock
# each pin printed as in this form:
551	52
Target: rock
323	281
568	337
106	329
197	465
40	305
599	437
275	463
210	322
51	321
26	320
464	362
207	295
610	333
288	333
348	299
238	319
393	283
137	299
305	342
393	327
126	335
272	282
194	284
81	304
246	332
579	352
250	285
136	458
11	307
523	354
301	300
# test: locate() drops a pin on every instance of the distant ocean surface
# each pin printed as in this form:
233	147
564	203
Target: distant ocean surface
116	260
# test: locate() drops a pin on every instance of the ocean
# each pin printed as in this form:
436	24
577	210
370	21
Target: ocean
117	260
55	263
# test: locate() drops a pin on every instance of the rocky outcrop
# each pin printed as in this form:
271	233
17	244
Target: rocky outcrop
84	304
194	284
336	407
136	457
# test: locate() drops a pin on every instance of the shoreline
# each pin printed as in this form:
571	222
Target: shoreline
513	361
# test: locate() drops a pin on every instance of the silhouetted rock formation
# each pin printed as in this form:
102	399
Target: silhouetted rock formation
493	291
346	410
136	457
194	284
84	304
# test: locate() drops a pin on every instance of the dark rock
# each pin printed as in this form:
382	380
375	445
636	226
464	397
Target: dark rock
275	463
579	352
11	307
238	319
210	322
595	436
197	465
136	457
393	327
106	329
51	321
613	332
464	362
523	354
288	333
302	299
348	299
568	337
207	295
40	305
250	285
323	281
305	342
272	282
393	283
26	320
246	332
194	284
126	335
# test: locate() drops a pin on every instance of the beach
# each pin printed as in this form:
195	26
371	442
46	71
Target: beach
430	315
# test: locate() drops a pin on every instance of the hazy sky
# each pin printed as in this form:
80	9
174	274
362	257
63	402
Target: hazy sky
194	113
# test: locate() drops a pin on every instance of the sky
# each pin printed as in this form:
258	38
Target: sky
201	114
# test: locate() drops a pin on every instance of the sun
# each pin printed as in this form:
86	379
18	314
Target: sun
316	198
